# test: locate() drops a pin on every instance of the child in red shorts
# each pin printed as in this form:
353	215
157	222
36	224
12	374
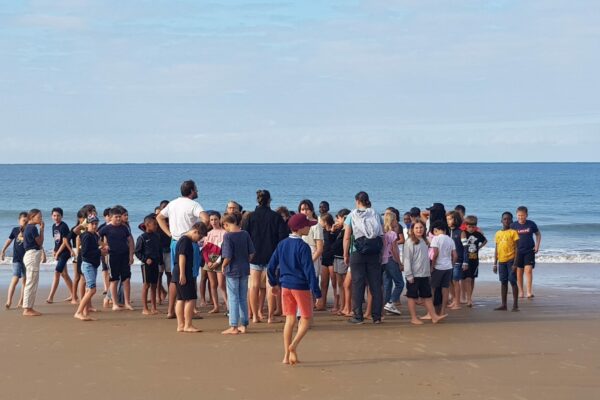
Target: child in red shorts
291	268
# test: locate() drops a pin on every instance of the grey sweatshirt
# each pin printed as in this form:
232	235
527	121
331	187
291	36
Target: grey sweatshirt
416	259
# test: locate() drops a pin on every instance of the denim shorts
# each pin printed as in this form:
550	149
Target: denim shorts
506	274
18	269
258	267
90	272
457	274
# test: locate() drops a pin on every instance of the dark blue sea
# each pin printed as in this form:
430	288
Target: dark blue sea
564	199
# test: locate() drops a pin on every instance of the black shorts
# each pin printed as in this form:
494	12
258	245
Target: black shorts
118	267
150	273
472	272
187	291
420	288
61	261
440	278
525	258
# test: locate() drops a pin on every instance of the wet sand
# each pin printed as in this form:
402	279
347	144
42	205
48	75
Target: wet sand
548	350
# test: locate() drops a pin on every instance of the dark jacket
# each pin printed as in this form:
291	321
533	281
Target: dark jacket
148	246
266	229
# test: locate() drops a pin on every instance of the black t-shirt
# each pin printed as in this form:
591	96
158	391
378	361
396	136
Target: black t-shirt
117	238
474	242
90	252
337	247
184	246
18	249
526	232
455	234
60	232
328	250
29	235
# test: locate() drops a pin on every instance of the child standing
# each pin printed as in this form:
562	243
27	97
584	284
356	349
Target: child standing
33	240
120	256
472	241
392	266
292	269
148	251
62	253
91	252
183	277
504	260
454	221
327	272
444	256
211	252
417	269
528	248
342	272
237	251
18	268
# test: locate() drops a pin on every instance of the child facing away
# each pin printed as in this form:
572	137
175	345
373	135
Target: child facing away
120	257
148	250
237	251
528	248
91	251
341	270
417	270
291	270
504	260
183	277
444	257
18	267
472	240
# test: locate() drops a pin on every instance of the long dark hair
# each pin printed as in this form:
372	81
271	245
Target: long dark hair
363	198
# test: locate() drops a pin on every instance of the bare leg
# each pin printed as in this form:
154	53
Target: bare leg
84	304
105	280
53	287
145	288
435	318
68	282
222	287
412	309
288	330
253	293
153	309
515	292
322	302
24	281
203	282
468	291
188	316
444	300
127	293
503	295
529	278
76	279
520	281
11	291
213	284
302	330
271	304
115	297
172	300
347	285
455	305
179	310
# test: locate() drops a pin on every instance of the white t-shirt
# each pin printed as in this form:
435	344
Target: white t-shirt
315	233
445	245
183	213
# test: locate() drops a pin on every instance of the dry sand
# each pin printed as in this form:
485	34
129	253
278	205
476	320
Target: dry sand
549	350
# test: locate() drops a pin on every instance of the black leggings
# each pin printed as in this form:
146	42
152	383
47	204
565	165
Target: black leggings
366	269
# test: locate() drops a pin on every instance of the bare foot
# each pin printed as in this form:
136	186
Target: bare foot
180	329
7	306
425	317
286	358
231	331
500	308
455	307
335	310
416	322
530	296
203	303
106	303
214	311
274	321
155	312
243	329
49	301
31	313
439	318
191	329
74	301
146	312
129	307
118	308
68	299
171	316
92	309
293	356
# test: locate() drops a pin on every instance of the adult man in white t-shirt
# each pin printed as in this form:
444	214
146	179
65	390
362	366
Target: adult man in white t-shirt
444	257
175	220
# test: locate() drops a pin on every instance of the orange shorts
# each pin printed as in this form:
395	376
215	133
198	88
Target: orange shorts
293	300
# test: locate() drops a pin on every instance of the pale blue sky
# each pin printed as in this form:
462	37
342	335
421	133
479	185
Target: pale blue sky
299	81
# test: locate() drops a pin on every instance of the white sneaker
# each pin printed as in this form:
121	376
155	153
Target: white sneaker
391	307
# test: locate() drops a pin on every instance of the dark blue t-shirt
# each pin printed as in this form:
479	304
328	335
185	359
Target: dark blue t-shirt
90	252
29	234
117	238
185	247
60	232
237	246
526	232
18	249
455	234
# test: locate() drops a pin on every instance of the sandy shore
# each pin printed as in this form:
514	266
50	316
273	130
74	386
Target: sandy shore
549	350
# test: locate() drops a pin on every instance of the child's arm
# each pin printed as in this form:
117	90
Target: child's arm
225	264
6	244
40	239
309	271
131	249
78	243
272	268
319	250
434	257
347	237
139	249
408	269
538	241
396	253
464	241
182	278
66	246
495	268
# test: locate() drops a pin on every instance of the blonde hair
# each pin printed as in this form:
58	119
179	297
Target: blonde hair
388	221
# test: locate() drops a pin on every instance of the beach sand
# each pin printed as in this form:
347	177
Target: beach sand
548	350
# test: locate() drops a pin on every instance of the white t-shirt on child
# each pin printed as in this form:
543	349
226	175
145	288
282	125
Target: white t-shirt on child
445	245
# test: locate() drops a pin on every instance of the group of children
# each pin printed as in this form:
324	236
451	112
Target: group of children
438	253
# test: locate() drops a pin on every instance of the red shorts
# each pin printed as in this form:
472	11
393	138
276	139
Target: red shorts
293	300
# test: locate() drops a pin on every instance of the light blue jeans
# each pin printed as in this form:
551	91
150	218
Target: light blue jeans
392	276
237	299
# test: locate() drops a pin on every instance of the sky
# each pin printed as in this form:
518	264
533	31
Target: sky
299	81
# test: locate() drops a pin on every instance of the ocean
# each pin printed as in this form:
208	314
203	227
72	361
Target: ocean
563	198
